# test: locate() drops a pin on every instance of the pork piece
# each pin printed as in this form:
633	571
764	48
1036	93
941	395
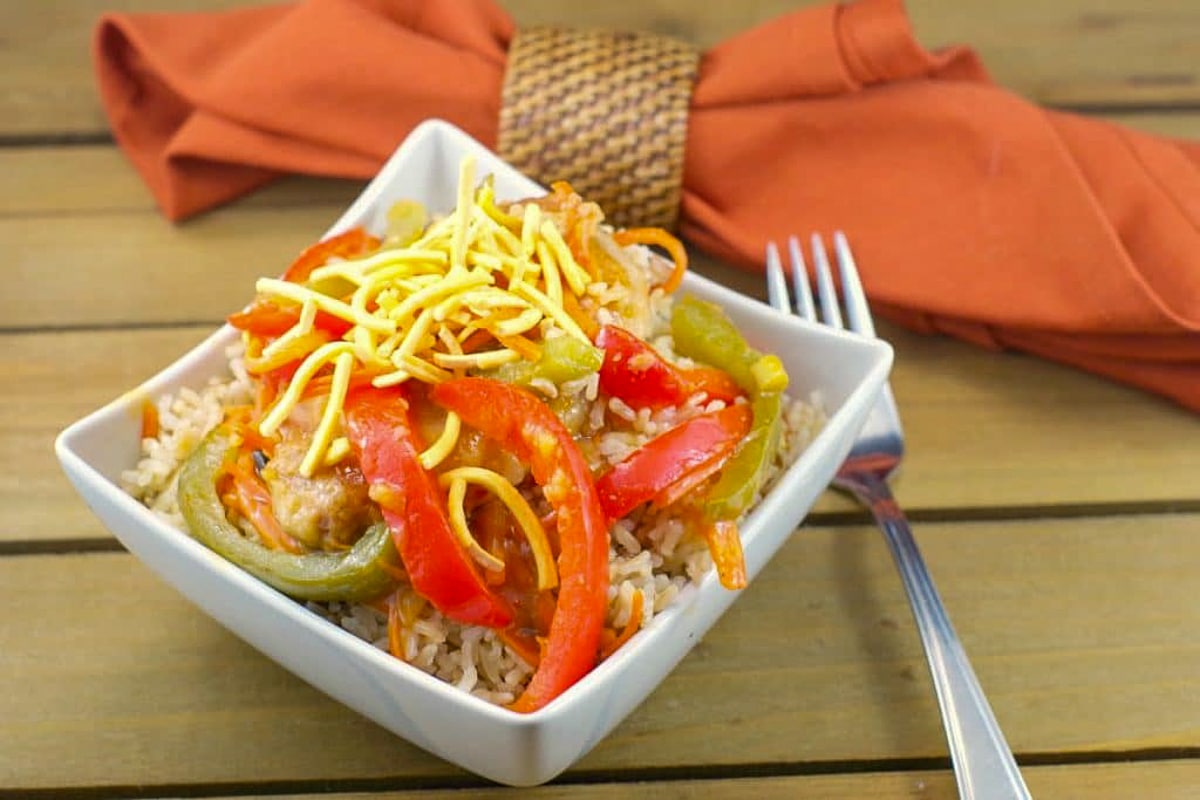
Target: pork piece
327	511
472	449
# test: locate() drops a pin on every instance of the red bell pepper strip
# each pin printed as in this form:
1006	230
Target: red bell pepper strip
671	457
690	482
439	567
522	423
354	242
269	319
634	372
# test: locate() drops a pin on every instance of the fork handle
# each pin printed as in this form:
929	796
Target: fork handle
983	763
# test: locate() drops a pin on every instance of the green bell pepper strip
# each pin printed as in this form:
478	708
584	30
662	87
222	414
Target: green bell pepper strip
702	332
563	359
743	476
361	573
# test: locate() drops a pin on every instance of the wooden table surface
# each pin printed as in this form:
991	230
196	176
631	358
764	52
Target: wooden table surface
1059	513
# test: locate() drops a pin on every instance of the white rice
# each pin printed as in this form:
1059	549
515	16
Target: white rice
650	552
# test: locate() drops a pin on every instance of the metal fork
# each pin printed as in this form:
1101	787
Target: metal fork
983	763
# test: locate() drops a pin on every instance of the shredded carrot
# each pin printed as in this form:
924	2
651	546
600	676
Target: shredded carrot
528	648
725	546
581	219
586	322
244	420
688	483
583	233
611	641
149	420
476	340
248	496
658	236
563	198
395	627
530	351
264	395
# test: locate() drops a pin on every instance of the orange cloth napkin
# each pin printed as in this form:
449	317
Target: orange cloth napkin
972	212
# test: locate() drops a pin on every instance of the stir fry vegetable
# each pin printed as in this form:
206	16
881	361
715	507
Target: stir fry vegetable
634	372
702	331
526	426
666	467
437	564
361	573
430	417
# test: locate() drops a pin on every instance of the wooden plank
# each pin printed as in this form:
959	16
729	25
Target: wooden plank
1076	52
136	268
1060	52
46	82
54	379
1180	124
987	433
97	179
1080	631
1163	780
989	430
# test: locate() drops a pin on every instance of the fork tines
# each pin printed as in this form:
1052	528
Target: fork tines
802	302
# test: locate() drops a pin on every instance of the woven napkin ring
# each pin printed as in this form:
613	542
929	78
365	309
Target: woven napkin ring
604	110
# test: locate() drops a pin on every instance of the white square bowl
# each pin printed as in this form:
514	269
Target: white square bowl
491	741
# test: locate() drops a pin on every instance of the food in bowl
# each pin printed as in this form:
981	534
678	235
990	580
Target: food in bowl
493	444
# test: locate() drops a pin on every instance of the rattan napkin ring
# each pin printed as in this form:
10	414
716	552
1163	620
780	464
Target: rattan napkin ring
604	110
